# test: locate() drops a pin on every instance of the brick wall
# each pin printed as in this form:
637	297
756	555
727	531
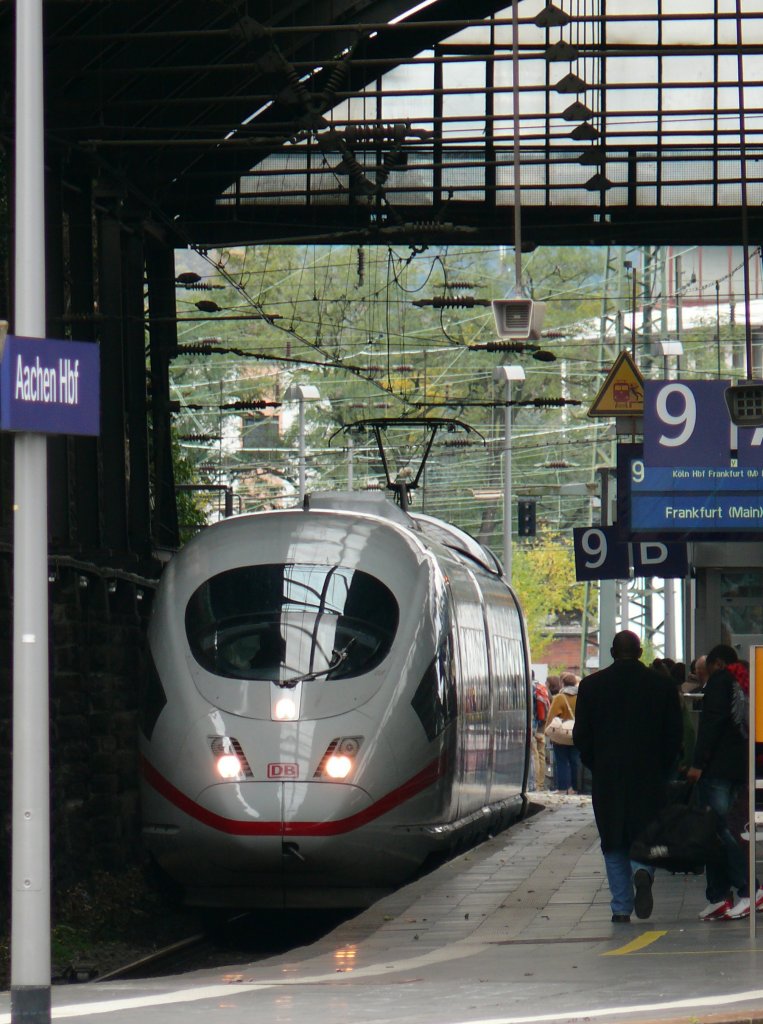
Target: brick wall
97	645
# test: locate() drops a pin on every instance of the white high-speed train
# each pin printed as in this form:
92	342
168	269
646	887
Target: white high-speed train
334	694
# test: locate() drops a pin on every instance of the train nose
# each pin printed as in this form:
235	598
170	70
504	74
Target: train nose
287	810
292	833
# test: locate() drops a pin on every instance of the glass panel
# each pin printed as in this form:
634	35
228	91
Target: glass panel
282	622
638	31
414	76
742	602
457	105
693	28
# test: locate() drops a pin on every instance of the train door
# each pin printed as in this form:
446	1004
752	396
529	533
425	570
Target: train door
509	691
474	693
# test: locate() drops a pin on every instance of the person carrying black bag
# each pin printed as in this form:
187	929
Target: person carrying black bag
719	767
628	730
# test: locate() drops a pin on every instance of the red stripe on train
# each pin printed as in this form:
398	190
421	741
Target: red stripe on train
423	779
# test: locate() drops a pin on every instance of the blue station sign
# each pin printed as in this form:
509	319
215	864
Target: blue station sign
49	386
600	555
722	499
686	423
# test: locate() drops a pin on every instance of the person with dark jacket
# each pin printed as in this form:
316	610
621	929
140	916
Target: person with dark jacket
628	731
719	767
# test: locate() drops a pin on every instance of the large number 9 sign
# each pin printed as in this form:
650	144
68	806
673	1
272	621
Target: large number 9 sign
684	419
686	423
594	545
599	555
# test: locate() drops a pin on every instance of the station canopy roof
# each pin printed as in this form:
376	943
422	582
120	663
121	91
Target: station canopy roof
348	120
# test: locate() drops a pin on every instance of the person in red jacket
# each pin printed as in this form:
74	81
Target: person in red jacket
541	703
719	767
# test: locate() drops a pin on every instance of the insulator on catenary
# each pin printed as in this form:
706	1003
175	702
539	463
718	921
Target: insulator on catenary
452	302
198	348
376	134
544	403
257	403
361	266
202	286
503	346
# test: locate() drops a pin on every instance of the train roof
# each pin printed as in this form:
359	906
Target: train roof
368	502
458	540
438	530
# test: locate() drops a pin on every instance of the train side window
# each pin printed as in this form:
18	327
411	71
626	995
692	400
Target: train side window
435	698
273	622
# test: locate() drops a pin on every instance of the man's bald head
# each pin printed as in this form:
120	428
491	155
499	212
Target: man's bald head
626	645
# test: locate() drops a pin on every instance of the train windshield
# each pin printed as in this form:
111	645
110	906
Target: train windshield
281	622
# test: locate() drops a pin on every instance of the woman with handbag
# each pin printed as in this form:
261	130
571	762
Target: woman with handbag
559	725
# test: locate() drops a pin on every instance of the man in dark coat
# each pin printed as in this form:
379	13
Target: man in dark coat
628	730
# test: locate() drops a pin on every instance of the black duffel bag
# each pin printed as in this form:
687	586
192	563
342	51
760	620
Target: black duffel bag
682	838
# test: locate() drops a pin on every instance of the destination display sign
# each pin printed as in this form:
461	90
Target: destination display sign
700	499
49	386
697	476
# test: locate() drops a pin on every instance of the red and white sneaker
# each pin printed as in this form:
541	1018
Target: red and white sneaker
716	911
742	907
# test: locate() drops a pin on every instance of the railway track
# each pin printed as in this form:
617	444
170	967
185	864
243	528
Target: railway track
173	959
239	939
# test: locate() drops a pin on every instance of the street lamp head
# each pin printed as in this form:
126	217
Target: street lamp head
670	347
504	374
301	392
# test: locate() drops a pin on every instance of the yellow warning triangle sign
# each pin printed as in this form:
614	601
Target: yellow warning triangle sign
622	393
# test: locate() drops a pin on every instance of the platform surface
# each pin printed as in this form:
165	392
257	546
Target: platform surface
517	931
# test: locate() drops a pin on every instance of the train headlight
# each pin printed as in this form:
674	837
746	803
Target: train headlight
285	703
339	758
338	766
228	766
285	709
350	745
230	759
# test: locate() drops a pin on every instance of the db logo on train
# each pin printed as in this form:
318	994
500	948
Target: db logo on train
277	770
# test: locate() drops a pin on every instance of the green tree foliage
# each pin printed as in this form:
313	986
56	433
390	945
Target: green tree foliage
191	513
543	574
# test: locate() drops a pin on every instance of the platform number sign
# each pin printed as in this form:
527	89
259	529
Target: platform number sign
599	555
686	423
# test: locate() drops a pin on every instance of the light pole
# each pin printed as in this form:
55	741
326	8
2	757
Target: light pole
670	347
30	857
630	268
301	393
505	375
